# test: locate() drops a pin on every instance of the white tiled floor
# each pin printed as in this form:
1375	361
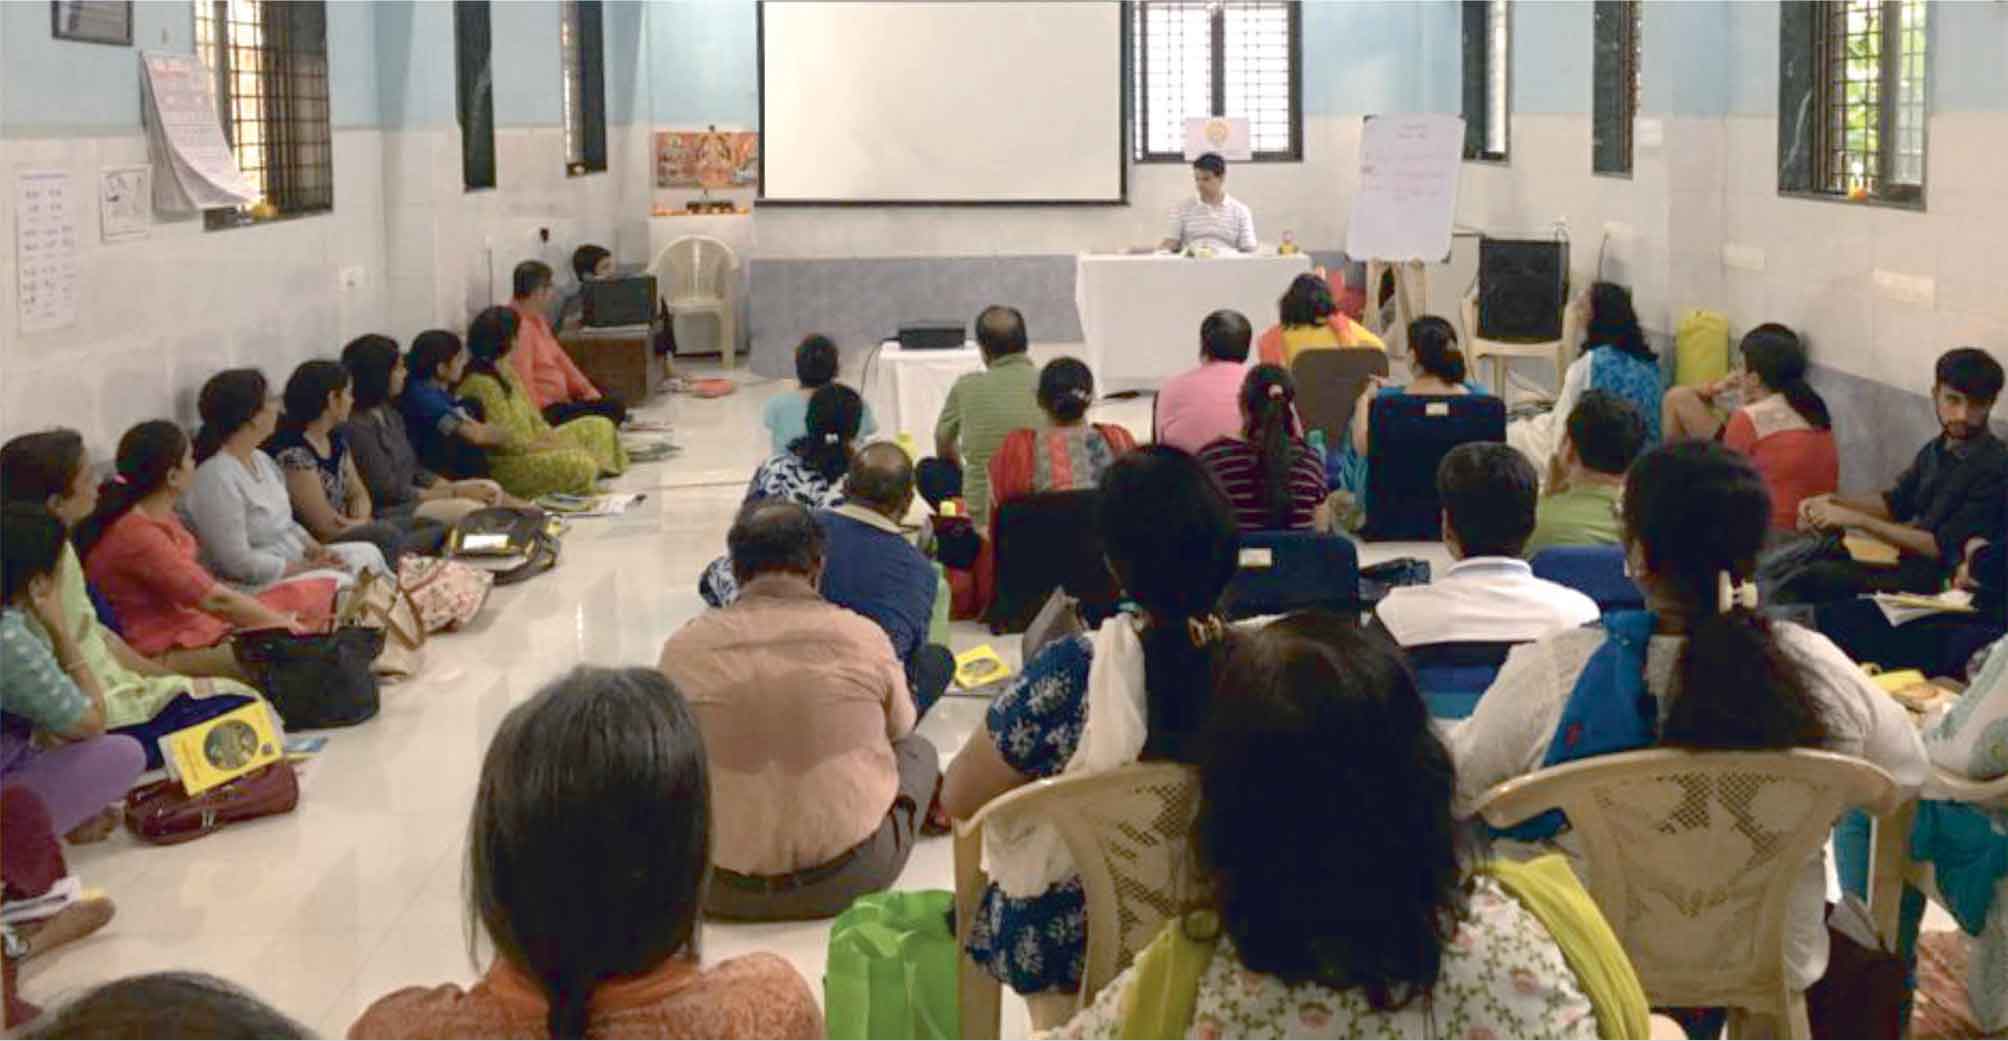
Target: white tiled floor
358	891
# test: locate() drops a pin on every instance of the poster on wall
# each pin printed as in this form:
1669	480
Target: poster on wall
198	169
45	249
92	21
710	158
1224	136
124	197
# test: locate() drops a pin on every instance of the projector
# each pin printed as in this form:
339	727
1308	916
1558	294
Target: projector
931	336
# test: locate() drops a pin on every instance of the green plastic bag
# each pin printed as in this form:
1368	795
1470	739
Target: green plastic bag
892	968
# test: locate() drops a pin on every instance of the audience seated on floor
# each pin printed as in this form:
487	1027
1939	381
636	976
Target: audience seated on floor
1271	476
1941	644
1581	508
1614	357
238	507
1310	320
31	864
381	448
1719	675
810	472
1199	406
534	458
548	375
1337	915
144	562
445	432
786	416
1955	490
1142	680
819	783
53	739
1436	368
982	409
590	263
1063	453
1783	424
328	494
50	471
870	566
586	867
169	1006
1490	595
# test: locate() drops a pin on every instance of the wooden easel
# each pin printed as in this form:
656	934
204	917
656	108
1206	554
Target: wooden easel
1411	293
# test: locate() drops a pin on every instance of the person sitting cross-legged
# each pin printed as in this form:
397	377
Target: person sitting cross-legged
819	784
1581	509
872	568
1490	595
786	416
982	409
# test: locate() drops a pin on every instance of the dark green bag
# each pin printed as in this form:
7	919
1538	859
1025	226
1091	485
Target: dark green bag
892	968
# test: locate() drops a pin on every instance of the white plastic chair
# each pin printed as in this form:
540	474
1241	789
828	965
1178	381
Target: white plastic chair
1893	869
695	275
1499	351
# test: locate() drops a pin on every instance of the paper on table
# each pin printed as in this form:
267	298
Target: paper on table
186	137
1408	188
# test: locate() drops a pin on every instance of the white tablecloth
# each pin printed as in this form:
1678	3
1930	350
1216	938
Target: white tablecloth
1140	315
906	389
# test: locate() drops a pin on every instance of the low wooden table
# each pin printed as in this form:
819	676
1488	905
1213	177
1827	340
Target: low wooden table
620	360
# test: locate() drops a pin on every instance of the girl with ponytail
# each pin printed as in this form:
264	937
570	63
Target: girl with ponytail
1704	669
588	853
1270	474
144	561
1065	454
1783	424
1143	682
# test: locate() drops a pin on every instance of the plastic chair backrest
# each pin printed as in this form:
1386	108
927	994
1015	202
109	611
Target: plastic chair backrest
1693	858
1283	571
1328	386
1454	675
1046	541
1597	572
1411	433
1126	831
695	266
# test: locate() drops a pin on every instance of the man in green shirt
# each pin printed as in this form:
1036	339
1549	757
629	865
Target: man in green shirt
1605	433
982	409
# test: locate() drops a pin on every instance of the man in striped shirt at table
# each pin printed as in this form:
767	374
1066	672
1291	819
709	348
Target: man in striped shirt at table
1212	219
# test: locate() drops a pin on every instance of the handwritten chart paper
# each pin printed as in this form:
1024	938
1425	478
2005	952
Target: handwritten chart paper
45	249
1408	188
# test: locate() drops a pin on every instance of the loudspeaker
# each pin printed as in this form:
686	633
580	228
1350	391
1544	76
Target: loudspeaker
1522	287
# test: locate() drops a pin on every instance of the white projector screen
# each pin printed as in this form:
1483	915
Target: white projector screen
907	101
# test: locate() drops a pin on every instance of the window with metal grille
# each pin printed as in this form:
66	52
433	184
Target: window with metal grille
1488	82
1224	58
270	63
1852	79
1615	84
580	47
474	92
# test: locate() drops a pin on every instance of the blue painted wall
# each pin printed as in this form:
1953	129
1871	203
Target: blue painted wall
416	85
703	64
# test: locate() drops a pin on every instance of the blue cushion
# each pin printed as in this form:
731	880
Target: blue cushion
1303	569
1597	572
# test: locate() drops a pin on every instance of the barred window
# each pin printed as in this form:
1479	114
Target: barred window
1488	56
1615	83
1853	81
1224	58
474	91
270	63
580	50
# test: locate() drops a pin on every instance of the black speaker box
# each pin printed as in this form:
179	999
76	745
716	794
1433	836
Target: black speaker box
1523	284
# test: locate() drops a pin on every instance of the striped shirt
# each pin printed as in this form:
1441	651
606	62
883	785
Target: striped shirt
982	409
1236	467
1226	226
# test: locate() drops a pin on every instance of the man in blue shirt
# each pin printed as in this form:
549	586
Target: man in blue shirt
871	568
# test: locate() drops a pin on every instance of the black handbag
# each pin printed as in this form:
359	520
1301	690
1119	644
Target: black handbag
532	539
315	680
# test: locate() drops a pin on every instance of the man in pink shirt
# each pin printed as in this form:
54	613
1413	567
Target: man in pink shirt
547	372
1201	405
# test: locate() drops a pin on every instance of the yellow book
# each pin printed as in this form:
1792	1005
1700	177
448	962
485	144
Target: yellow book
978	666
223	749
1867	549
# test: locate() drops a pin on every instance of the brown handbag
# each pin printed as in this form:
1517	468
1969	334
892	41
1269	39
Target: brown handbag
163	814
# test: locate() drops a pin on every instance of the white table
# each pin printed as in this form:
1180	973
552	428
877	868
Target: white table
906	389
1140	315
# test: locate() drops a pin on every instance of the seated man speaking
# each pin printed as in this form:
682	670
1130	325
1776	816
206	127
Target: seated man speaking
819	786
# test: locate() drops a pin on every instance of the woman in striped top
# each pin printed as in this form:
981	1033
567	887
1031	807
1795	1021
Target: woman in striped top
1270	475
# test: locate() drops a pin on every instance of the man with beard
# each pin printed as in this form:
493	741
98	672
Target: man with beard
1954	492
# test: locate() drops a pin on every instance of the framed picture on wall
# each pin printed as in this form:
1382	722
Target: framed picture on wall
92	21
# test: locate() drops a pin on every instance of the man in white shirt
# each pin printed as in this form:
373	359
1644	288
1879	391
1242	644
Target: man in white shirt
1211	219
1490	595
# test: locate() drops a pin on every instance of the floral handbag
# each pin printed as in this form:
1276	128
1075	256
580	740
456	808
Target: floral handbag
446	594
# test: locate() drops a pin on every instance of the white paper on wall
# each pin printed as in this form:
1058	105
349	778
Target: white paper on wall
1408	188
198	169
45	249
124	203
1224	136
